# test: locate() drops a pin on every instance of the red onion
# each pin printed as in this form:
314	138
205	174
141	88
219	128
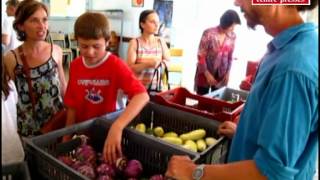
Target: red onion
87	170
157	177
133	169
106	169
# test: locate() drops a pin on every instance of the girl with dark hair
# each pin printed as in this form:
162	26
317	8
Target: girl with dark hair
215	54
42	66
147	52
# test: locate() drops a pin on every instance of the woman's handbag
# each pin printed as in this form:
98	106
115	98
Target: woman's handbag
159	79
58	120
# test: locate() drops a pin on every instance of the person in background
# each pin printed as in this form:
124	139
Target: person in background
215	54
5	32
11	146
277	135
95	78
11	9
147	52
45	62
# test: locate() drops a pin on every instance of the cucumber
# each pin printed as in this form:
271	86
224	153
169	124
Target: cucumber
201	145
158	131
174	140
188	146
210	141
170	134
141	127
192	145
193	135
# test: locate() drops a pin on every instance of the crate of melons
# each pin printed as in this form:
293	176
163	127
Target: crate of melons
183	129
80	158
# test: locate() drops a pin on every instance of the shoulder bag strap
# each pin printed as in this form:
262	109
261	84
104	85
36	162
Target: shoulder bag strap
26	71
156	70
166	73
164	64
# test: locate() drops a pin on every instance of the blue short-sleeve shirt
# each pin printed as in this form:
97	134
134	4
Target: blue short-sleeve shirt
278	127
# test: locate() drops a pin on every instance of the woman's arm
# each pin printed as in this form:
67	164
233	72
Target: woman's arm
165	50
58	57
10	62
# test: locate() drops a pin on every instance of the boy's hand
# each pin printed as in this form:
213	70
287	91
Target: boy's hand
112	145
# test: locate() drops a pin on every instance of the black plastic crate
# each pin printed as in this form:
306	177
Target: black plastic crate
43	150
171	119
229	94
16	171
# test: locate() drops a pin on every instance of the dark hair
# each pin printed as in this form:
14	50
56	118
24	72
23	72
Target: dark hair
24	10
313	4
229	18
143	17
92	25
4	79
13	3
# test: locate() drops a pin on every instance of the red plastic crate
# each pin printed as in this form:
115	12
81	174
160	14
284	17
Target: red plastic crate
215	109
252	67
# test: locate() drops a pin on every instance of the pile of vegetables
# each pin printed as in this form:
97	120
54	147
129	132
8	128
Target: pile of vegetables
195	140
88	162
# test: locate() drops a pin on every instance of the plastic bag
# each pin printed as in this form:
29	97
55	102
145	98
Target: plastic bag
11	146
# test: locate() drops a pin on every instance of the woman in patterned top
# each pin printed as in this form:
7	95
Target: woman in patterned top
146	52
215	54
46	70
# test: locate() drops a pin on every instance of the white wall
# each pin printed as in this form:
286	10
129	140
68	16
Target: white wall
190	19
130	19
61	25
131	14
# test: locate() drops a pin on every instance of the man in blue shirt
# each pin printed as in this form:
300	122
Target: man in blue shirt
277	135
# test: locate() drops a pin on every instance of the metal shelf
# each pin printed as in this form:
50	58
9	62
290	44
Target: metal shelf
115	14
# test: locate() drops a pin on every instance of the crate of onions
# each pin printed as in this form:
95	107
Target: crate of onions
81	158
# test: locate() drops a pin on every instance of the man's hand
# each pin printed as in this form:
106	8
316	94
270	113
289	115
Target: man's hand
227	128
180	168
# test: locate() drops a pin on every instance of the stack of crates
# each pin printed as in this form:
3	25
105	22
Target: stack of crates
42	151
216	109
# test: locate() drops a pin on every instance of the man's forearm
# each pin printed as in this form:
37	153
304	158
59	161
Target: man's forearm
232	171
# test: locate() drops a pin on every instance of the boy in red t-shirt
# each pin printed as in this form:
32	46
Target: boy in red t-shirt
95	78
